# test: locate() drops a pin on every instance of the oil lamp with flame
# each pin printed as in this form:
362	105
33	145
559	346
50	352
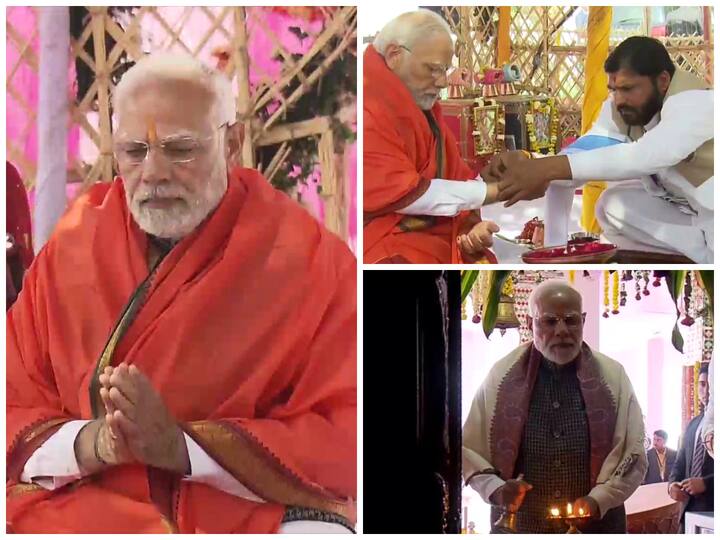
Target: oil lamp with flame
571	520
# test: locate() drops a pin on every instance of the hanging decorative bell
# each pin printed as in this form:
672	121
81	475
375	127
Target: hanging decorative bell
506	317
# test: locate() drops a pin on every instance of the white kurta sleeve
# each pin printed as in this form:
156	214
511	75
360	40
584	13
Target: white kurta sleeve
54	464
560	193
486	484
448	198
206	470
312	527
557	207
686	122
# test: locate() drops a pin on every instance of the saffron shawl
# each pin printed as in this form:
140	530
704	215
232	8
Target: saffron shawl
399	161
248	332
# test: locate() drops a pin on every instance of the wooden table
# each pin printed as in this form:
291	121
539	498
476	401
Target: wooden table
651	510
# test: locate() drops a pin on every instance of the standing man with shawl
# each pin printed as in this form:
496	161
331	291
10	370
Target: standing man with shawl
561	415
182	357
418	193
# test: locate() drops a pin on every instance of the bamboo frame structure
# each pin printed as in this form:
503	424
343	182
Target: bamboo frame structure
93	114
28	58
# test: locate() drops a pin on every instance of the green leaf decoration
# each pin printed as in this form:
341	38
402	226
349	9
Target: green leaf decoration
675	279
677	339
467	280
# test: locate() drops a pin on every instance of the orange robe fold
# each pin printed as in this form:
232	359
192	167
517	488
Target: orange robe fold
248	333
400	158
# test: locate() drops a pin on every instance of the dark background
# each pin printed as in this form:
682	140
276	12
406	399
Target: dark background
412	402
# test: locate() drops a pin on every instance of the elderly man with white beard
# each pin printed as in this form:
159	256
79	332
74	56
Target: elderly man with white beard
182	356
554	423
421	201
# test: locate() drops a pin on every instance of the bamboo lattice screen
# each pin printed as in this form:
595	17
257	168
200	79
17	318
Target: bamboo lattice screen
119	39
26	60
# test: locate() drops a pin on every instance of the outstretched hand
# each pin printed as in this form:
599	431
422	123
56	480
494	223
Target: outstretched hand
522	179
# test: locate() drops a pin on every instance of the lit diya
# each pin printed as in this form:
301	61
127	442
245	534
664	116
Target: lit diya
570	519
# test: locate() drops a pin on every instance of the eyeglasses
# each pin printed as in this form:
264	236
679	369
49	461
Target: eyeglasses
550	322
176	149
436	72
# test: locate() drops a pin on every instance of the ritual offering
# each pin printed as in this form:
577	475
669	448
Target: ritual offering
571	520
533	233
581	237
573	252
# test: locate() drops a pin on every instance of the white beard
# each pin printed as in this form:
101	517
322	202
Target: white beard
561	358
425	102
183	217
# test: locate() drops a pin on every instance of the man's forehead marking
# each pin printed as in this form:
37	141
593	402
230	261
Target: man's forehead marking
151	129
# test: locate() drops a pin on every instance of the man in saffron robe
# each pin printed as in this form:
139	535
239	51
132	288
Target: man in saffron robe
420	199
182	356
555	423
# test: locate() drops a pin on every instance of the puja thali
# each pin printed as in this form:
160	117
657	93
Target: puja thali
574	252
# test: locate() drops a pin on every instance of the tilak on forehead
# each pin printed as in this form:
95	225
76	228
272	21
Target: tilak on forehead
151	129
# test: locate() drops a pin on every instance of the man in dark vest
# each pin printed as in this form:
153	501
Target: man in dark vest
564	417
691	480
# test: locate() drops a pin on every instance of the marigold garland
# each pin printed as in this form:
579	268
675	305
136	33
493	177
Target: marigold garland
616	293
606	290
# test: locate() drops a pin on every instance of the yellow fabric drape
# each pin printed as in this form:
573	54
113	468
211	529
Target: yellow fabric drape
595	94
503	38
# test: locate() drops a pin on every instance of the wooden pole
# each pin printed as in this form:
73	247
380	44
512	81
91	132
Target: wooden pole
503	35
102	77
294	130
342	201
647	20
242	68
467	44
329	179
708	45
